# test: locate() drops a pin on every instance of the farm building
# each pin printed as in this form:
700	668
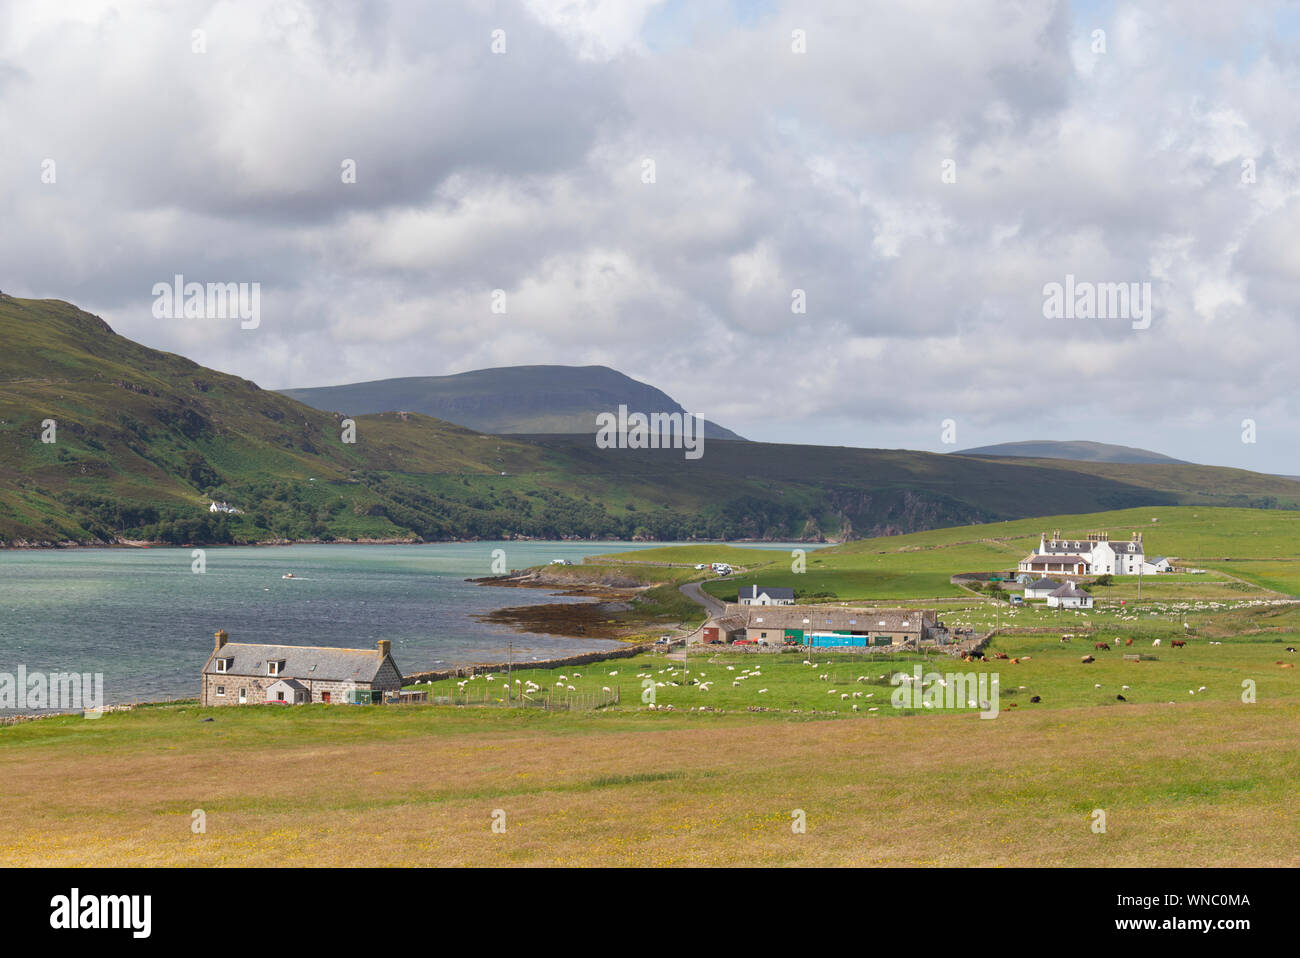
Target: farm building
1042	588
1069	597
836	626
1158	564
726	628
1095	555
765	595
242	673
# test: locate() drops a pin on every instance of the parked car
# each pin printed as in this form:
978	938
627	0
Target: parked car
745	642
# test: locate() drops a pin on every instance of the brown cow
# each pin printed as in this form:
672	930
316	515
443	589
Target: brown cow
999	655
1178	643
1086	659
1128	641
1102	645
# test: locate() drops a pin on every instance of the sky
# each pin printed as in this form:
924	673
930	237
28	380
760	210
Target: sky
832	222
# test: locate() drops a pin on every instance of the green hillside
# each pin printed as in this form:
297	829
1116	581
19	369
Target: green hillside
146	439
1246	552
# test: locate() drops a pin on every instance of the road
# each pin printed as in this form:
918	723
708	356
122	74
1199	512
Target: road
697	595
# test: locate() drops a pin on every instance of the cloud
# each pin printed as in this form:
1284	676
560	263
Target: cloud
774	170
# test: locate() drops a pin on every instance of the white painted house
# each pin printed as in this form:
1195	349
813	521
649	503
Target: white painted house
765	595
224	507
1069	597
1156	565
1041	588
1095	555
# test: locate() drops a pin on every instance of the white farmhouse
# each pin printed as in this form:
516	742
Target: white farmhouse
765	595
224	507
1095	555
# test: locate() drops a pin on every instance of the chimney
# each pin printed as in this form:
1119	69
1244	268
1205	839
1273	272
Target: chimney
385	646
221	638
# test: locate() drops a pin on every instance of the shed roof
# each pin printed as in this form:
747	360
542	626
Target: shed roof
811	618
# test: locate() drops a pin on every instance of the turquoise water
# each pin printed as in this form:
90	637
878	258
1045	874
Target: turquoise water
145	620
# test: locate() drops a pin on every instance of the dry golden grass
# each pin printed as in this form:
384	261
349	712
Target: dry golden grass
1193	784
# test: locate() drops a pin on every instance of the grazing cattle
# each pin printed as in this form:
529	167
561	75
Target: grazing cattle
1036	699
999	655
1128	641
1103	646
1015	661
1290	648
1286	665
1013	705
1086	659
1120	698
1178	643
1065	639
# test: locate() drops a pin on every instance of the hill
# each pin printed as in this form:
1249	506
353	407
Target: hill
145	439
1078	450
506	399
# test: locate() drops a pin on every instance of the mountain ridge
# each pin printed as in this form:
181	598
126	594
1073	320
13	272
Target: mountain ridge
105	440
1075	450
505	400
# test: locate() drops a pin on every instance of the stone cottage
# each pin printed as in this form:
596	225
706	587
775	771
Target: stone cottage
243	673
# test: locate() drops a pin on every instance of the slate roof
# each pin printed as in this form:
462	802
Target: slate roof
754	591
837	618
1068	591
1039	558
1044	583
300	661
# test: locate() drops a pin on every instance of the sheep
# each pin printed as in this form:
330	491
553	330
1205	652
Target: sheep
1156	642
843	696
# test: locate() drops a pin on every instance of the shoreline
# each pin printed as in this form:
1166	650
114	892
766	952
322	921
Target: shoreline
25	545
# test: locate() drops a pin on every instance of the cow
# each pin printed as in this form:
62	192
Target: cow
1086	659
1178	643
1066	638
999	655
1036	699
1120	698
1156	642
1103	646
1128	641
1290	648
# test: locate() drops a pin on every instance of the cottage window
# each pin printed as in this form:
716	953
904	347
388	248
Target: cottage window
222	664
221	690
273	667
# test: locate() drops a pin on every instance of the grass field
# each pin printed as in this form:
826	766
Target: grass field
1206	780
1195	767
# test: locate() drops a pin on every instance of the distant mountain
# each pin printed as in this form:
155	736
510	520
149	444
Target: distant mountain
103	439
1076	450
505	399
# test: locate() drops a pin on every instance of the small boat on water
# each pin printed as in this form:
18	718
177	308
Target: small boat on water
288	575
